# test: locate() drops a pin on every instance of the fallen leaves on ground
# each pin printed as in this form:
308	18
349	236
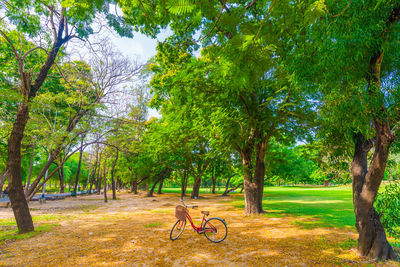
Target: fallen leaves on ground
134	230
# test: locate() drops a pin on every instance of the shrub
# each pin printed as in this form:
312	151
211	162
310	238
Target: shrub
387	205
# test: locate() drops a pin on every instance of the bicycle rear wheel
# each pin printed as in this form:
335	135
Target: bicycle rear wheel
177	229
215	230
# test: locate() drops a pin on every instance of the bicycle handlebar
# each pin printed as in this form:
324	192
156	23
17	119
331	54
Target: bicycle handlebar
191	207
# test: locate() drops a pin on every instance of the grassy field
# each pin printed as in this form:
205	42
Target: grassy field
331	207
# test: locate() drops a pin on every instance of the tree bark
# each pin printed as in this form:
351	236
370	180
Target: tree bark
159	191
135	186
15	188
159	179
372	240
30	167
196	187
93	179
3	178
197	181
227	190
79	167
105	181
33	187
28	90
254	184
98	181
184	183
232	189
61	178
112	177
326	182
151	191
214	180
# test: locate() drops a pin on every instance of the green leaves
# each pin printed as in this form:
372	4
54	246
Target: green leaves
178	7
387	205
314	11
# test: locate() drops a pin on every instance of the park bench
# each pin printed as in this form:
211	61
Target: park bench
4	204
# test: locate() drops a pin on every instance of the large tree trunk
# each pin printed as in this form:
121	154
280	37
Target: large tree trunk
15	188
254	184
112	177
196	187
372	240
3	178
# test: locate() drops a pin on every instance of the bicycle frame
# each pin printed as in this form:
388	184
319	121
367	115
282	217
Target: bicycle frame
197	229
200	229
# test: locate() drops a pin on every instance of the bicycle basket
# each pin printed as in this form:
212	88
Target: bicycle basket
181	212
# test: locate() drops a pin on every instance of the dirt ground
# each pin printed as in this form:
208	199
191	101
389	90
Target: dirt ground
134	231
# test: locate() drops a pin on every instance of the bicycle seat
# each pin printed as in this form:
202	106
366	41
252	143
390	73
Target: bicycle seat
205	213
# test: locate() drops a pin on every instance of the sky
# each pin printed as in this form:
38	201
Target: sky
140	47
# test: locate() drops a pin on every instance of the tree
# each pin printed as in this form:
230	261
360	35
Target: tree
356	74
58	22
240	99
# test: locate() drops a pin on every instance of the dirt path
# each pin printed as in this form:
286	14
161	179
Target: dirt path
134	231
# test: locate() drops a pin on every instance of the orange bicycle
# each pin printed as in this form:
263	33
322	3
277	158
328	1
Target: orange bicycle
215	229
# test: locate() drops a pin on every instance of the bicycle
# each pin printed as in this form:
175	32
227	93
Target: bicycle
214	229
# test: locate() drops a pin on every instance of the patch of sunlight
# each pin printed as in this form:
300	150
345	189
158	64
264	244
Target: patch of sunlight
348	255
160	211
130	246
202	256
102	239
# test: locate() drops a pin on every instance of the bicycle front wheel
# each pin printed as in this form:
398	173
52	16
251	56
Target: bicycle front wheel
215	230
177	229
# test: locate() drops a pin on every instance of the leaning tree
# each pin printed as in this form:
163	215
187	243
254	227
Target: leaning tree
351	55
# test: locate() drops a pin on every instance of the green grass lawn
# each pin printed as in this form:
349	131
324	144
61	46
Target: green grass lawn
331	207
321	206
324	206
